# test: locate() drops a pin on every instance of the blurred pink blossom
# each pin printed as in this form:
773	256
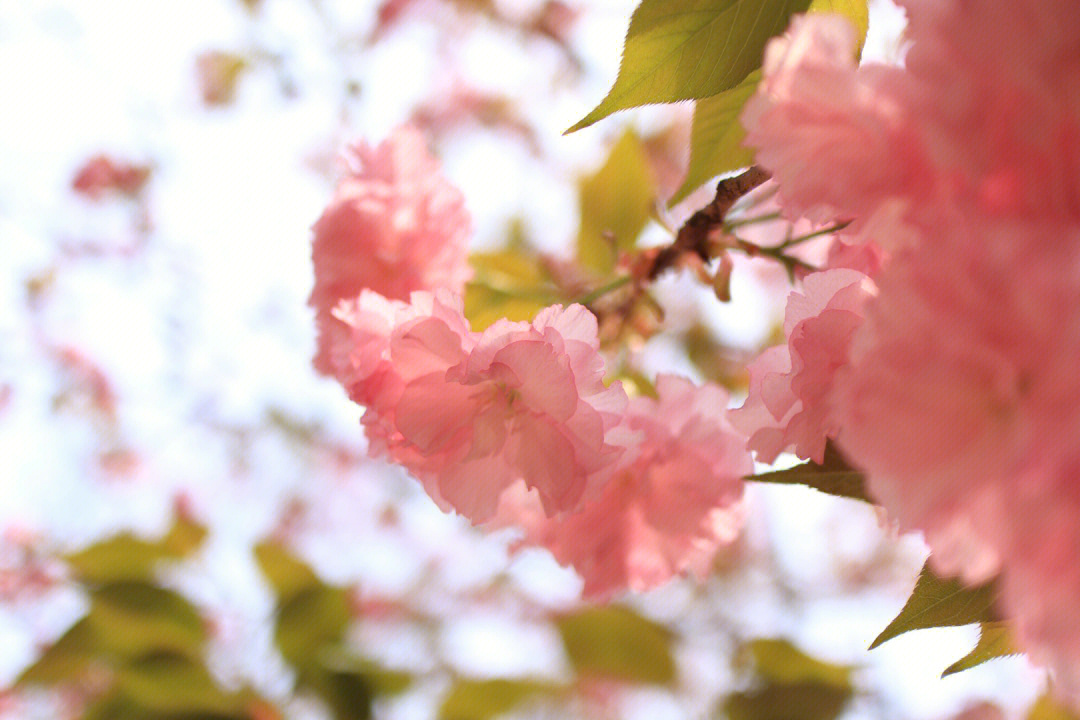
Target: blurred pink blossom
960	398
673	502
394	225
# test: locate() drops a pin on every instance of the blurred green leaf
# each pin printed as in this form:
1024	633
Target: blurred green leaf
511	284
616	642
483	699
64	660
382	680
857	11
133	619
994	642
287	574
1047	708
941	602
690	49
616	203
833	477
125	557
309	621
780	662
716	137
175	684
800	701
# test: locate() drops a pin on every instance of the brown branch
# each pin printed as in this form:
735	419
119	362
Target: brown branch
694	234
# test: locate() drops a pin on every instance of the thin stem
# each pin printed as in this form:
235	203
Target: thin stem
730	225
593	296
810	236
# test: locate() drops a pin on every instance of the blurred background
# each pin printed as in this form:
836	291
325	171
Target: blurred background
189	525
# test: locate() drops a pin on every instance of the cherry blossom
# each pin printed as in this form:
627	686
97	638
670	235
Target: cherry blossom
789	405
670	506
395	225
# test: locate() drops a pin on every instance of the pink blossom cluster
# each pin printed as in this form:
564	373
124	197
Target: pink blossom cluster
394	225
513	424
957	392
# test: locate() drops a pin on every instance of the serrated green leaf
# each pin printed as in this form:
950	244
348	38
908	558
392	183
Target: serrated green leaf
690	49
616	642
134	619
64	660
288	575
780	662
483	699
857	11
801	701
616	203
309	621
716	136
833	477
994	642
175	684
940	602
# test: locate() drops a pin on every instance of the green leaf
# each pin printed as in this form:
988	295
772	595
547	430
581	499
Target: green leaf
483	699
801	701
185	537
616	203
780	662
939	602
382	680
510	284
994	642
716	137
119	558
308	622
833	477
689	49
857	11
617	642
63	661
134	619
288	575
175	684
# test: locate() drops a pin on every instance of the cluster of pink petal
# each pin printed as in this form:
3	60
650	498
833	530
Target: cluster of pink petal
394	226
789	405
961	398
670	505
470	414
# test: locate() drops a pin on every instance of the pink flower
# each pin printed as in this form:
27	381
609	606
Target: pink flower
395	225
671	504
961	398
789	405
470	414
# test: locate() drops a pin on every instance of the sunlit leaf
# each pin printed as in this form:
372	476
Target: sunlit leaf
309	621
1047	708
716	136
64	660
509	284
135	619
780	662
994	642
483	699
288	575
690	49
185	537
116	559
833	477
616	203
383	680
801	701
941	602
857	11
618	643
175	684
